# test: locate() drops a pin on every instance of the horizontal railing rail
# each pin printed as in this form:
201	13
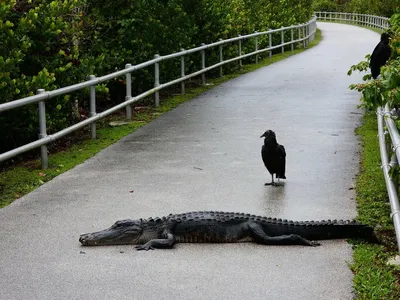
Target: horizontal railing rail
389	148
304	33
385	117
358	19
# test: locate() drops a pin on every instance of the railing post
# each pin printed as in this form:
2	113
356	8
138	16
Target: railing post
299	35
304	35
43	130
182	73
291	39
240	50
128	95
270	44
256	46
283	40
203	65
92	112
156	81
221	59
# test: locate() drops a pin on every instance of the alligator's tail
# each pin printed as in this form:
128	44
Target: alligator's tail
321	230
351	229
367	233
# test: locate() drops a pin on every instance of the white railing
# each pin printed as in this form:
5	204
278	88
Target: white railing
386	118
301	34
354	18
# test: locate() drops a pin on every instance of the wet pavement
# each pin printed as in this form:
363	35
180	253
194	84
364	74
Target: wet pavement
205	155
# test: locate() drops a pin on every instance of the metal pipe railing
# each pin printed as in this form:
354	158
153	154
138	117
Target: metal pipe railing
308	33
360	19
385	116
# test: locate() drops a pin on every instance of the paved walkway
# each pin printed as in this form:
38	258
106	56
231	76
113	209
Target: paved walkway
304	98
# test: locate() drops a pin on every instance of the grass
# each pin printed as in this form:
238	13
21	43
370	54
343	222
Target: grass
374	278
27	176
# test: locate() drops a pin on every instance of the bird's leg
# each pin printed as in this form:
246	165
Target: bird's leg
272	182
278	183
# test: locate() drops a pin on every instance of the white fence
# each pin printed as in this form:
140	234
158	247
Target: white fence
354	18
301	35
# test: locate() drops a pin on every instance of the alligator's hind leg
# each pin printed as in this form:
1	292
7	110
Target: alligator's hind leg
169	242
261	237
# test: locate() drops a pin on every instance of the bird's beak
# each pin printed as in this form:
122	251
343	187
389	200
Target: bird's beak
262	136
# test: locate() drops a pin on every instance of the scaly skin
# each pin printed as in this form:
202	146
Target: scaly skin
223	227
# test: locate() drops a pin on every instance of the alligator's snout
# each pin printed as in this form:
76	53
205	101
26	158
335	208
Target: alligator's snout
82	239
85	239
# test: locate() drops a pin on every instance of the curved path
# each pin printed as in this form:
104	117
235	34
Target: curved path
304	98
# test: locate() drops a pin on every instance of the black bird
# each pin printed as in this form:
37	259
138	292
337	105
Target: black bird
380	55
273	156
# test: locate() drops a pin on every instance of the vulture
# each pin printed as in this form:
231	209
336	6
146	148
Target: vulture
273	156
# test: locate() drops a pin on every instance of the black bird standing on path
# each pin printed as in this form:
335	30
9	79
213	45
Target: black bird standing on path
273	156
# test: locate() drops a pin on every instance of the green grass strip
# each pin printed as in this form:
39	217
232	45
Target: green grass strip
374	278
26	177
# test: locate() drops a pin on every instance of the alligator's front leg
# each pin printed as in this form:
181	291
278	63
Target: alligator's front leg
166	243
261	237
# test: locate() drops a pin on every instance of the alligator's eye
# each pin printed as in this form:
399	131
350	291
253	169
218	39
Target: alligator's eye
117	224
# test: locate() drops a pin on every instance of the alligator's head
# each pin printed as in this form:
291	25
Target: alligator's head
122	232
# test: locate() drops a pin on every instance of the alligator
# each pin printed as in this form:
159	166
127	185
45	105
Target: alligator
223	227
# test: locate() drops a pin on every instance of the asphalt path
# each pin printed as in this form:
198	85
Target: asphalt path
205	155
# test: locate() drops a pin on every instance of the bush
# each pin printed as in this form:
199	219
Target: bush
373	7
325	5
39	49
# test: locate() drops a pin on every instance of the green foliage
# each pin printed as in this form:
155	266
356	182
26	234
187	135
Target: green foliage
325	5
39	49
373	7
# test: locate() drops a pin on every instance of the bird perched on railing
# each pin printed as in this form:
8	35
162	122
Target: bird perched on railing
273	156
